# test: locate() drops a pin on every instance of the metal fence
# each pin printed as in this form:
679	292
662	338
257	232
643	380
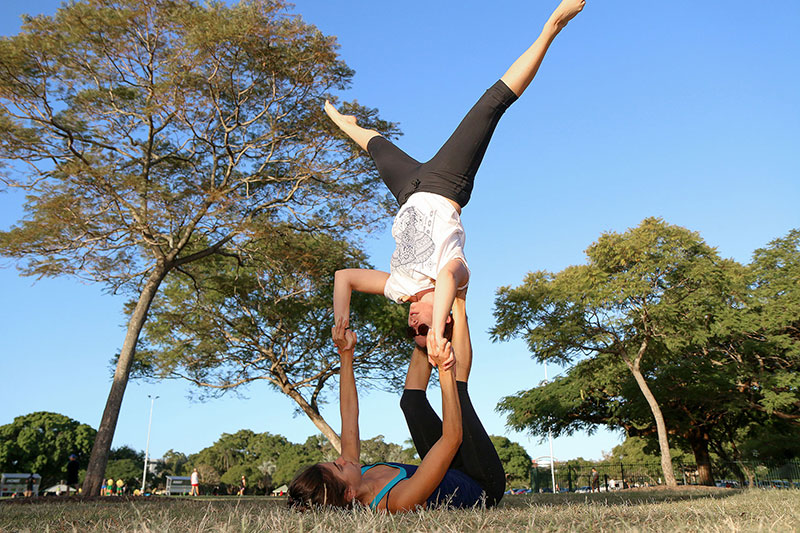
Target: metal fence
612	476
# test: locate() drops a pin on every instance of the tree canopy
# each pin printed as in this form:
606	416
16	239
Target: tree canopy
643	297
149	134
41	443
716	344
265	317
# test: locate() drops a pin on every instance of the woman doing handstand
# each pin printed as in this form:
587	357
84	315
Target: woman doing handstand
428	266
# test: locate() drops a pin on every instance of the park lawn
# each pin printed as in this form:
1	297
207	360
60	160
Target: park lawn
635	510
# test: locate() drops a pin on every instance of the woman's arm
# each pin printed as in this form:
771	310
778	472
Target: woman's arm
345	340
450	278
413	492
354	279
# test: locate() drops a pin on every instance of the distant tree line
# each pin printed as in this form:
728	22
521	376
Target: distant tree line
667	341
42	443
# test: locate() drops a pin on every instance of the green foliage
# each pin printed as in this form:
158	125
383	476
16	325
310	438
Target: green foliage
175	463
128	470
137	120
266	460
652	300
375	450
41	443
766	330
516	461
265	316
150	134
717	343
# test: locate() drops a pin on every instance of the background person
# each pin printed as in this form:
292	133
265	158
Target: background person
72	472
195	481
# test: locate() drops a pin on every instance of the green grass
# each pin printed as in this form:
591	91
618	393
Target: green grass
654	510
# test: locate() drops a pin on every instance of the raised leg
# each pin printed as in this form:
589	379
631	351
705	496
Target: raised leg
348	124
523	70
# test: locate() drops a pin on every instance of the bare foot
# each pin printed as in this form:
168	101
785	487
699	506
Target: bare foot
337	117
565	12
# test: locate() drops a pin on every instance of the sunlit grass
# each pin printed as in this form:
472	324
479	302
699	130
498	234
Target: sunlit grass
688	510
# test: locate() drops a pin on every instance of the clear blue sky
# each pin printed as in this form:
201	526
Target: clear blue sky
684	110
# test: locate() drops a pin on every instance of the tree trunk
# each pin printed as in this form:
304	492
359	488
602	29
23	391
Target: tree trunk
95	472
661	427
698	440
315	417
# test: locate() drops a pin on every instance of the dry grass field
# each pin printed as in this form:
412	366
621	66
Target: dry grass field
686	510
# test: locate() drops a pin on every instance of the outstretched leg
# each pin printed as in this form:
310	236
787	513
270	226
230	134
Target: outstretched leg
348	124
523	70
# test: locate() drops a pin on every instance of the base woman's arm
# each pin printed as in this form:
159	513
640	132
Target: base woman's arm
345	340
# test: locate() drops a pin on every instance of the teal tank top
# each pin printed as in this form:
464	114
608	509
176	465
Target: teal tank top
401	475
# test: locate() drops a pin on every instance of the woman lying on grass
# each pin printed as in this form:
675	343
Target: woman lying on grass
459	468
428	266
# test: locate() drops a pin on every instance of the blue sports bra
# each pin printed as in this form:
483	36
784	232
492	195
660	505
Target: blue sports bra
401	475
456	490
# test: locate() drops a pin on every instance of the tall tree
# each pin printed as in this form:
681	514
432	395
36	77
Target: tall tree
42	442
765	330
644	295
234	321
516	461
148	134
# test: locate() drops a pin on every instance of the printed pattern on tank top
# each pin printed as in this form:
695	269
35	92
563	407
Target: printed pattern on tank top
412	232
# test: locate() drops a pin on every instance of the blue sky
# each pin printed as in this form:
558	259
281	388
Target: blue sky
684	110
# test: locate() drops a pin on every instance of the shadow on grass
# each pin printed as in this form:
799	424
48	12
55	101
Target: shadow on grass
621	497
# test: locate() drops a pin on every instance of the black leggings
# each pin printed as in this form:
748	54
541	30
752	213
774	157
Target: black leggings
476	457
451	172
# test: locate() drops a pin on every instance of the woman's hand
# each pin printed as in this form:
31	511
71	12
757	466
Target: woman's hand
441	356
344	338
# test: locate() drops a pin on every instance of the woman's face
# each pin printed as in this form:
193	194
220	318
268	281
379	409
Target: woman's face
418	314
346	471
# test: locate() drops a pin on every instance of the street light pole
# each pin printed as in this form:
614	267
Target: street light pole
147	447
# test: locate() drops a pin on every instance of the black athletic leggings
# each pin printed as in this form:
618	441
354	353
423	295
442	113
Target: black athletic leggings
476	457
451	172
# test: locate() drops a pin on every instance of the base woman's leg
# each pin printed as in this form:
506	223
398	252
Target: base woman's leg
477	455
424	424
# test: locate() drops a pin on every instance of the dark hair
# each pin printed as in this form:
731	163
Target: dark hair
317	486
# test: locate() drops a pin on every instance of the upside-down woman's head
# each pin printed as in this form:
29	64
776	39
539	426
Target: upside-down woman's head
319	485
420	318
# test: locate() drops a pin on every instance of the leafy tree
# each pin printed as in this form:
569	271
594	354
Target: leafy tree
150	134
175	463
766	331
254	478
643	298
376	450
298	456
126	452
230	322
228	451
41	443
516	461
128	470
